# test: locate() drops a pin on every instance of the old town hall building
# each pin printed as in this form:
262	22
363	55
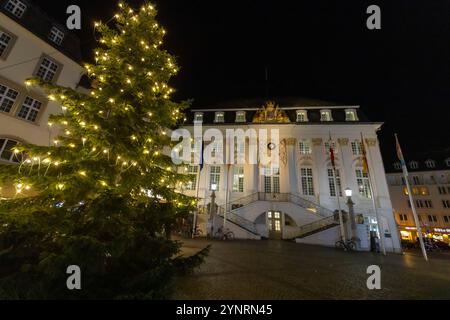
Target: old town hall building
297	199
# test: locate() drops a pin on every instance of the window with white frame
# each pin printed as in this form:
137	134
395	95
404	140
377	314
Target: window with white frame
214	177
414	165
397	166
30	109
302	116
16	7
362	179
325	116
306	175
334	180
7	150
5	41
47	69
272	180
357	148
238	179
239	151
430	164
7	98
193	172
56	35
447	162
305	147
351	115
416	180
219	117
240	116
198	117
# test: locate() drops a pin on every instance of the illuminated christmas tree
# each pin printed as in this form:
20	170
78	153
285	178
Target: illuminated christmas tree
103	196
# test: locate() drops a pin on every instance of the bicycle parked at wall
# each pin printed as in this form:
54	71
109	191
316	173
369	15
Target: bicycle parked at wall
221	235
348	245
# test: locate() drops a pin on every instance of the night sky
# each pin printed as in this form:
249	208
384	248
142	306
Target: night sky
318	49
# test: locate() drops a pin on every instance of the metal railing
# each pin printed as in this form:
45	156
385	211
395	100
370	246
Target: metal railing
312	227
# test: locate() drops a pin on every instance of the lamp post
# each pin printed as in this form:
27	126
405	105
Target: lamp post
212	207
350	204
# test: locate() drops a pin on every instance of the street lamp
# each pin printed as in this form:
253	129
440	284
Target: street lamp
350	204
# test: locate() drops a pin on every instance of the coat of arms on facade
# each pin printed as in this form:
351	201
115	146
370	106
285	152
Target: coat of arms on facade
271	113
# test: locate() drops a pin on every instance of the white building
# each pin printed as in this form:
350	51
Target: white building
31	44
429	178
298	199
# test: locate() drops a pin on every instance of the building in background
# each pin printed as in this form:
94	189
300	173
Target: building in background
31	45
297	199
429	177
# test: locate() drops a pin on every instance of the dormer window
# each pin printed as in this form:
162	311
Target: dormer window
430	164
397	166
325	116
56	35
16	7
219	117
240	116
302	116
351	115
198	117
447	162
414	165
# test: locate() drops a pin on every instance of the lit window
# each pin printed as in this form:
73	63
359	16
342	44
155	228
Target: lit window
6	150
305	147
414	165
271	180
47	69
357	148
351	115
302	116
325	116
7	98
56	35
16	7
307	181
193	172
198	117
334	181
214	177
240	116
397	166
219	117
362	179
30	109
238	179
5	41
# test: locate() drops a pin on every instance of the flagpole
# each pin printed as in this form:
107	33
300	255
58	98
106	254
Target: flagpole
377	214
411	200
338	194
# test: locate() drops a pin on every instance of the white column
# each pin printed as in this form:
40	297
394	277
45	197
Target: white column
292	166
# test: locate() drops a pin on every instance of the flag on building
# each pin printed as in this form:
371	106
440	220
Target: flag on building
332	157
400	153
364	156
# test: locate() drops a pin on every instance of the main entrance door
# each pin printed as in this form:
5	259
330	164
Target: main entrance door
274	224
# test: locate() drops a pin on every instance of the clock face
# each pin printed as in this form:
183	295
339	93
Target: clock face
271	146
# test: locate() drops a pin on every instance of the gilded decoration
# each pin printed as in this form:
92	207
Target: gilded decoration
270	113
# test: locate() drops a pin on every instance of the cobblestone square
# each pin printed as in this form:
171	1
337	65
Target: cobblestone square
259	270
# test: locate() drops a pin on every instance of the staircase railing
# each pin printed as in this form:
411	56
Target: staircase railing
245	224
312	227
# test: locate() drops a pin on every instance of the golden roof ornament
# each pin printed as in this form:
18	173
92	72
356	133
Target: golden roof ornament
270	113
